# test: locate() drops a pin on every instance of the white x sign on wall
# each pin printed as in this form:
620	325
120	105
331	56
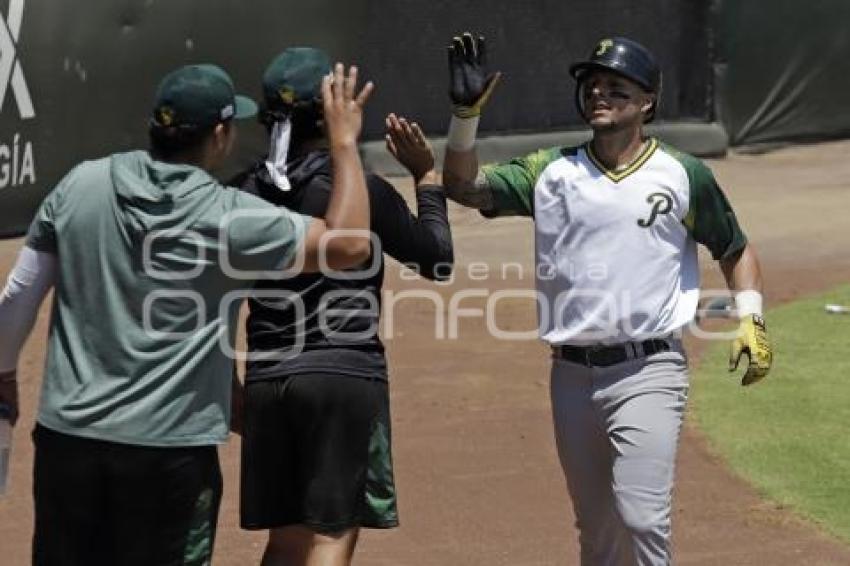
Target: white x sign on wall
10	66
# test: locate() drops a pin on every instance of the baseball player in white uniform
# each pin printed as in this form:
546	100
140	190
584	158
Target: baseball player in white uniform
617	224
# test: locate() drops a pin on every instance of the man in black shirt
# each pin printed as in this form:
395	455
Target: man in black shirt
316	461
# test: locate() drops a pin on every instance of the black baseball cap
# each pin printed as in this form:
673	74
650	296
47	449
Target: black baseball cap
197	96
295	77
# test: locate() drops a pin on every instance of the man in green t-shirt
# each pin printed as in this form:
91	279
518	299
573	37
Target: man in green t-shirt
149	256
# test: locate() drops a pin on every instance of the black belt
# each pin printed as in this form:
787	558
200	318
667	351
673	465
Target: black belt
603	356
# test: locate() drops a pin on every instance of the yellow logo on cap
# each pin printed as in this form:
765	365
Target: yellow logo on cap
603	46
287	95
165	115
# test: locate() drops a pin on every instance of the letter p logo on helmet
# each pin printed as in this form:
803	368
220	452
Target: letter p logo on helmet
604	46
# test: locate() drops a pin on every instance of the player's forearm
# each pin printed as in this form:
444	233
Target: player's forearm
742	272
429	237
348	207
347	215
463	180
743	277
460	167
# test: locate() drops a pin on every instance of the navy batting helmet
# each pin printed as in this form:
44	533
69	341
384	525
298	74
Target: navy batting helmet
624	57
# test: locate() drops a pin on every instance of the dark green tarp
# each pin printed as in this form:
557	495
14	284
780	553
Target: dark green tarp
783	70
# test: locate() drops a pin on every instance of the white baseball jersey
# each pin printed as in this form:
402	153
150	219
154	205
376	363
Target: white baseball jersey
616	252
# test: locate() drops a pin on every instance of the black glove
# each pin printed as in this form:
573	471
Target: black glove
469	84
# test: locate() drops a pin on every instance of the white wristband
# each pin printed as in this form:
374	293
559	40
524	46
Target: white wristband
748	302
462	133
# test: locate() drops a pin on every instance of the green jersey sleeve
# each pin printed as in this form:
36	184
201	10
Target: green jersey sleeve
710	219
513	182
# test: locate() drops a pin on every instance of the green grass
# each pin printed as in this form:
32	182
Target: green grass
790	434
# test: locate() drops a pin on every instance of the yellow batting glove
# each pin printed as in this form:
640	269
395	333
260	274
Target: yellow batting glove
752	340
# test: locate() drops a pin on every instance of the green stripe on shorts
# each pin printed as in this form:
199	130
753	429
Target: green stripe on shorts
380	505
199	542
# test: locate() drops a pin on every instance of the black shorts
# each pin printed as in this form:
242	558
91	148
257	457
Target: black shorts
102	503
316	452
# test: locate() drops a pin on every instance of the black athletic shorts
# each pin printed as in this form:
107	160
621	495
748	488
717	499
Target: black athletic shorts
316	452
103	503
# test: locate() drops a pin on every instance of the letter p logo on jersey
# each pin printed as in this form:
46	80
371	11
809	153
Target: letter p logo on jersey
11	73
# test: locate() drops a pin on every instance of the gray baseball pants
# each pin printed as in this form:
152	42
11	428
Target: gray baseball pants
617	430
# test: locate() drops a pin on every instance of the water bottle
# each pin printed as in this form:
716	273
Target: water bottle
5	446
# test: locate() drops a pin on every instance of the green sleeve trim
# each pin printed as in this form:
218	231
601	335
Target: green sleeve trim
710	219
513	182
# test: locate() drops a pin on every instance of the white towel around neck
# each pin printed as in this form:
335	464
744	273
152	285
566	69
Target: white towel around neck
278	152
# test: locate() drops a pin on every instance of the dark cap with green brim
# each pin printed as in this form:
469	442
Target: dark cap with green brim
295	76
198	96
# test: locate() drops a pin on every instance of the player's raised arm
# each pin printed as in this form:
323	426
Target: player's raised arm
348	209
423	240
469	88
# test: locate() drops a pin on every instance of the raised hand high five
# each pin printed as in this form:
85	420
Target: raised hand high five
469	84
343	110
408	144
